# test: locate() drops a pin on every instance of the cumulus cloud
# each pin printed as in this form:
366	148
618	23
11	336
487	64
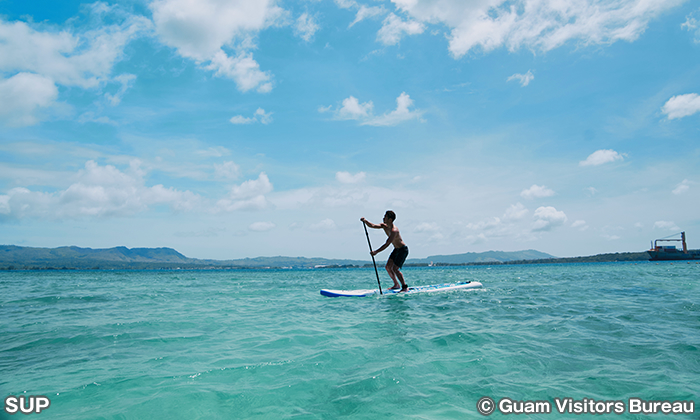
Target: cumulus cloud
23	95
535	24
260	116
536	191
348	178
400	114
98	191
515	212
36	61
393	29
681	106
242	69
84	59
353	109
683	187
201	30
524	79
250	195
600	157
547	218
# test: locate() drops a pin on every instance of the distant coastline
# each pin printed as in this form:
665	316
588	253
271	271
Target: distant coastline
121	258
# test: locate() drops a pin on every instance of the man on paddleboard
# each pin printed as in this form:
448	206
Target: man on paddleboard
398	255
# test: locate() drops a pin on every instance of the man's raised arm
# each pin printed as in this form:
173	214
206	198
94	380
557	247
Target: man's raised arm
370	224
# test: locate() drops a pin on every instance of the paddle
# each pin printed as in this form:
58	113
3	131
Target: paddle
373	261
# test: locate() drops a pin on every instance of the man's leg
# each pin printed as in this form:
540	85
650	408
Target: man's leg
397	273
390	266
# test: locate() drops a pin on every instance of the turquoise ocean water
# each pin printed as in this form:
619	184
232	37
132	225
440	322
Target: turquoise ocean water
264	344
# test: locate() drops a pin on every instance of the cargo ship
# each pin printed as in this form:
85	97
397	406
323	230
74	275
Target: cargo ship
670	252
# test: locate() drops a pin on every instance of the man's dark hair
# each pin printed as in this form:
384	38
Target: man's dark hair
391	215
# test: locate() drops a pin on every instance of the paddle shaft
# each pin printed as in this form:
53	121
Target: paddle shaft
373	261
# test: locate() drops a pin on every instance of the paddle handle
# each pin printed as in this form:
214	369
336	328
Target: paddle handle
373	261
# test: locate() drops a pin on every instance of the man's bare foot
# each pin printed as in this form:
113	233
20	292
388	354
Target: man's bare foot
395	287
404	288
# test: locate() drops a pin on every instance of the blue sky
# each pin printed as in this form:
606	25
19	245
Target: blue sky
230	129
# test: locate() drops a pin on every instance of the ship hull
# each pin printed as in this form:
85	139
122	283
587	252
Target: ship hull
692	254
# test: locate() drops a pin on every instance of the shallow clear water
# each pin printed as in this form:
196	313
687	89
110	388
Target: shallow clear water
264	344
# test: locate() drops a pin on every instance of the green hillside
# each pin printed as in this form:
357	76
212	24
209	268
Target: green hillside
71	257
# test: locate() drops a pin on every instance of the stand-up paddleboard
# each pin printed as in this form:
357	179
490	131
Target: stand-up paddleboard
417	289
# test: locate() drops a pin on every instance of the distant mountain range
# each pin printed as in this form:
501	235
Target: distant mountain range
22	258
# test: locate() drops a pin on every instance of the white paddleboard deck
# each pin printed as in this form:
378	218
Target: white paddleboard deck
418	289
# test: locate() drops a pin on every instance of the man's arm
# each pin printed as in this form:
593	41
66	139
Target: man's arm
388	242
372	225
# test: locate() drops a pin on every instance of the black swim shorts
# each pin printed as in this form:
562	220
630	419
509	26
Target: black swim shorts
398	256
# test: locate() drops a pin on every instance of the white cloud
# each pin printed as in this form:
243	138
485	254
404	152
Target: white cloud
84	60
400	114
199	30
600	157
252	188
524	79
241	69
536	191
227	170
324	225
260	116
535	24
393	29
353	110
348	178
580	225
261	226
217	151
426	227
515	212
365	12
98	191
305	27
346	4
691	24
23	95
240	119
682	106
666	225
126	81
250	195
547	218
591	191
489	223
431	230
683	187
36	61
